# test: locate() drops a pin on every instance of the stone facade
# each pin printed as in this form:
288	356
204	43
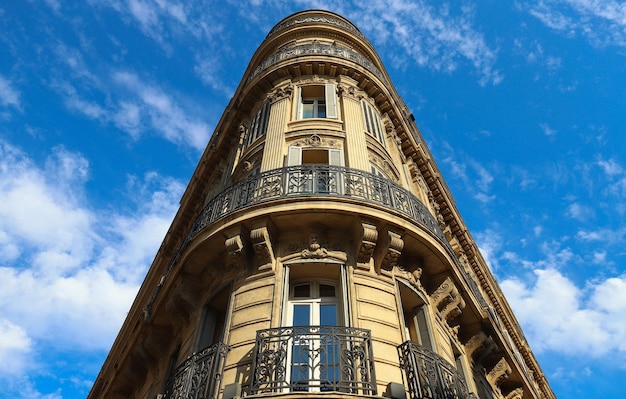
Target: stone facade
317	251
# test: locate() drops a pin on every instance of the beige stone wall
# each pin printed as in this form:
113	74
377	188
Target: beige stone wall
375	307
251	310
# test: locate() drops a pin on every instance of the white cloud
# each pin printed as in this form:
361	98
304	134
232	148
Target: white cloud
603	22
556	317
15	346
579	211
611	167
477	179
160	111
438	38
9	96
72	271
547	130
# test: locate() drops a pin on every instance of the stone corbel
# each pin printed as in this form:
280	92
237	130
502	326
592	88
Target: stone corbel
367	235
262	245
236	253
156	338
183	300
517	393
388	250
479	346
499	373
448	300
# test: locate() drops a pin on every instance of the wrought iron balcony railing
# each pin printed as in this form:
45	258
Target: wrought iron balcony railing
429	376
314	359
199	376
316	180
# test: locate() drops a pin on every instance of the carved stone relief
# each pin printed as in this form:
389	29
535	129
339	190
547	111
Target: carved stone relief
262	246
448	300
499	373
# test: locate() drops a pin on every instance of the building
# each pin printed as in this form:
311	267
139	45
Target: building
318	252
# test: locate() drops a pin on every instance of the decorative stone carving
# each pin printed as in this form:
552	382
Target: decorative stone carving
366	241
479	346
262	246
448	300
499	373
184	298
297	50
412	273
237	256
314	140
388	250
280	93
517	393
316	247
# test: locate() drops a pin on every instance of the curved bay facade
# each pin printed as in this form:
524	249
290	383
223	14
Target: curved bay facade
318	252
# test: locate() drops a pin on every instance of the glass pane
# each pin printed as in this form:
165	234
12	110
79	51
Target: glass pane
307	109
321	109
302	291
301	315
328	314
327	291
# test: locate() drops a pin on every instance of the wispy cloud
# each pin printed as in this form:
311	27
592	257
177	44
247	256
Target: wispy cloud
603	22
9	95
442	37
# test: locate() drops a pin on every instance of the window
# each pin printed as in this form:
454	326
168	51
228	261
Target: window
416	319
317	101
258	126
213	317
314	307
373	125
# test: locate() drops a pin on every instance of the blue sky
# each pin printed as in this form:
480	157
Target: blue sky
106	106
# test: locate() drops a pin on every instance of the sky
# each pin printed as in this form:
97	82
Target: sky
107	105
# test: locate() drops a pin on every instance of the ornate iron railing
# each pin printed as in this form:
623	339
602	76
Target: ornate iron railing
429	376
199	376
314	359
315	180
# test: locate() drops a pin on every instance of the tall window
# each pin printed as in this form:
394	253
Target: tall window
258	126
416	319
317	101
315	306
213	317
373	126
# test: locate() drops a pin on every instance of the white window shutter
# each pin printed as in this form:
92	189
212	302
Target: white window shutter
294	156
299	103
331	101
334	157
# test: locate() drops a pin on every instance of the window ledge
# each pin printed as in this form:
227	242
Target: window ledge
315	123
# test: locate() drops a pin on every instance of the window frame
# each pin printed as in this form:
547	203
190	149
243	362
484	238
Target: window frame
329	101
372	122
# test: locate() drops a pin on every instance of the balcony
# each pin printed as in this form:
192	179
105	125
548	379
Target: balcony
313	359
199	376
319	181
429	376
